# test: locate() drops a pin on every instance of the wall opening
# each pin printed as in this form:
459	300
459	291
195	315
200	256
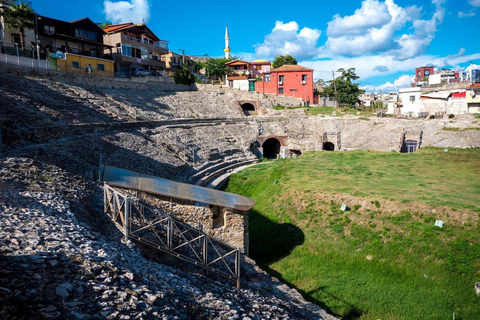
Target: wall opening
328	146
218	216
271	148
294	153
248	109
409	146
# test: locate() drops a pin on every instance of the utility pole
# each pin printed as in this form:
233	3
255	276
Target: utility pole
335	86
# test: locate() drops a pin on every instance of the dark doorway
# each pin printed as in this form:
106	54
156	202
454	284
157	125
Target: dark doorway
295	153
409	146
328	146
248	109
271	148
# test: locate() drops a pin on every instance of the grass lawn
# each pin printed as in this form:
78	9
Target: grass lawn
383	258
328	111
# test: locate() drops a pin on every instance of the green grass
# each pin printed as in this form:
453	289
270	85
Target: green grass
384	259
328	111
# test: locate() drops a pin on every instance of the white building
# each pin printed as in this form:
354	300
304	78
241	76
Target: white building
410	101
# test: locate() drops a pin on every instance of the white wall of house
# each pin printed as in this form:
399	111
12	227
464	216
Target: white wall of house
411	103
450	106
240	84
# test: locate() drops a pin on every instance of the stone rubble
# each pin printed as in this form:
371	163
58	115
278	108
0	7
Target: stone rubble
60	260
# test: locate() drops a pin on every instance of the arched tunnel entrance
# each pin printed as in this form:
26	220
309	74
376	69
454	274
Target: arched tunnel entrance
271	148
328	146
248	109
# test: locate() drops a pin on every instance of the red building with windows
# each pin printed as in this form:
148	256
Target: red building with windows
289	81
423	72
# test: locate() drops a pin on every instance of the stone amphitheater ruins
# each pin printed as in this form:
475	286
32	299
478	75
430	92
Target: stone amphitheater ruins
62	258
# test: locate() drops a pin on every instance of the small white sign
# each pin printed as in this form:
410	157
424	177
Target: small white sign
445	150
439	223
344	207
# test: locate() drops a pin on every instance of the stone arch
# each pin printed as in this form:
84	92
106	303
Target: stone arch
328	146
271	148
248	108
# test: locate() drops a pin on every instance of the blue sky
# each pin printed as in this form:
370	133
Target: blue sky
383	39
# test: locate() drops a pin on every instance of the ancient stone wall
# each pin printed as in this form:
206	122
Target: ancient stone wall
224	224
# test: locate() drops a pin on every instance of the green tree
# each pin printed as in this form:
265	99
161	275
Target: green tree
184	76
347	92
216	67
282	60
105	24
20	16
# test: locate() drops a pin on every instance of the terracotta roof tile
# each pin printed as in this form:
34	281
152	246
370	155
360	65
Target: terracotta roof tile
474	86
237	78
290	67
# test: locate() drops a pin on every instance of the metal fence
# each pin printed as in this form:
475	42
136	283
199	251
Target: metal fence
157	229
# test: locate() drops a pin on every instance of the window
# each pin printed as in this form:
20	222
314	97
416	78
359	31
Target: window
48	30
126	50
304	78
280	80
280	90
16	38
412	99
75	64
85	34
267	78
100	67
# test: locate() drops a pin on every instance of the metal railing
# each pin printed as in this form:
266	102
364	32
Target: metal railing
25	62
157	229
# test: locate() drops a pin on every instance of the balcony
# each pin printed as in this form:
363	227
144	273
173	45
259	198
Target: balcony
151	46
146	62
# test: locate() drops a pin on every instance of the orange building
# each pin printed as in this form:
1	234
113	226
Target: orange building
289	81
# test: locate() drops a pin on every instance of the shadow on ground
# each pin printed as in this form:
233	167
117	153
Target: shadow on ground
271	242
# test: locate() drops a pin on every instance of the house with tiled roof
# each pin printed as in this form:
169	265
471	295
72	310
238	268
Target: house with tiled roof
136	46
290	81
76	46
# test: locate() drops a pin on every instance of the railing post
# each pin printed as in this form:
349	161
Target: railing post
205	251
169	234
105	198
237	267
127	218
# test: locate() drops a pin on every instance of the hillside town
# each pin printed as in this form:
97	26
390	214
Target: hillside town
141	181
133	49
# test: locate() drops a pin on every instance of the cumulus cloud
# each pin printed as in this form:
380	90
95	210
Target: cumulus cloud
286	38
474	3
401	82
376	28
127	11
366	65
470	13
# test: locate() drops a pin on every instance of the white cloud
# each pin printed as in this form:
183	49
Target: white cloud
374	65
375	28
474	3
470	13
135	11
401	82
285	38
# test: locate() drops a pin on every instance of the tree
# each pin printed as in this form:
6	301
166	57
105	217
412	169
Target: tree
348	75
19	16
184	76
347	92
216	67
105	24
282	60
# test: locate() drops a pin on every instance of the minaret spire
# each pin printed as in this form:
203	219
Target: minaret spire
227	44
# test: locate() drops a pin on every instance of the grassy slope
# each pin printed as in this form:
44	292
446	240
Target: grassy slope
384	259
